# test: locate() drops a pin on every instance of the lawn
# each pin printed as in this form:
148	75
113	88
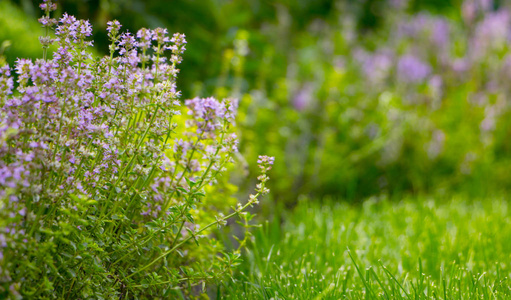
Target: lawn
380	249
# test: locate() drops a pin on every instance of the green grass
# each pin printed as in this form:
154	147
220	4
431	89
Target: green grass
413	249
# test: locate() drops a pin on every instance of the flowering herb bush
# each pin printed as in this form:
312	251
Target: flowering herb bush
103	181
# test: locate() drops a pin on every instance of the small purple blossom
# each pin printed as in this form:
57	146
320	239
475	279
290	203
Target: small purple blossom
491	33
161	36
113	27
376	66
266	160
472	8
127	43
440	33
412	70
48	6
145	37
6	82
207	113
303	98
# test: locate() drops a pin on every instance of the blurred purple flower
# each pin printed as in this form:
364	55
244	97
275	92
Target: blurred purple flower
377	66
303	97
460	65
412	70
440	33
435	29
471	8
491	33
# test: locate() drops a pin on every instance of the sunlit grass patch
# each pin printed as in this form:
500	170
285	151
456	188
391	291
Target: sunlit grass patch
412	249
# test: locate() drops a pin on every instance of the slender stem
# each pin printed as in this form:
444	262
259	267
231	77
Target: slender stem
120	177
219	221
46	33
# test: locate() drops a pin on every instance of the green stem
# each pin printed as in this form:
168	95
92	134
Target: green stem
236	212
112	191
46	33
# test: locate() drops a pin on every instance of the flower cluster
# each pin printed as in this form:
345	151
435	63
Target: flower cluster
265	163
100	173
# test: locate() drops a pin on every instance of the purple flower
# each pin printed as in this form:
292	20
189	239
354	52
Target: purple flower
303	97
232	109
491	33
145	37
412	70
84	28
127	43
264	159
179	41
376	66
471	8
22	212
207	113
440	33
113	27
48	6
160	36
6	82
23	67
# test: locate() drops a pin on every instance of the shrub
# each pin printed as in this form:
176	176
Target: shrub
104	184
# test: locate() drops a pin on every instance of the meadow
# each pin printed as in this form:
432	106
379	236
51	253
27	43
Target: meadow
253	150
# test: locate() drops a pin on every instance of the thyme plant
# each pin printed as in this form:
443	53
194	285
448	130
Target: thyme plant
104	183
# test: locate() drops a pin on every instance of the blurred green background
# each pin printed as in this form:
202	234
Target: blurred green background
353	98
